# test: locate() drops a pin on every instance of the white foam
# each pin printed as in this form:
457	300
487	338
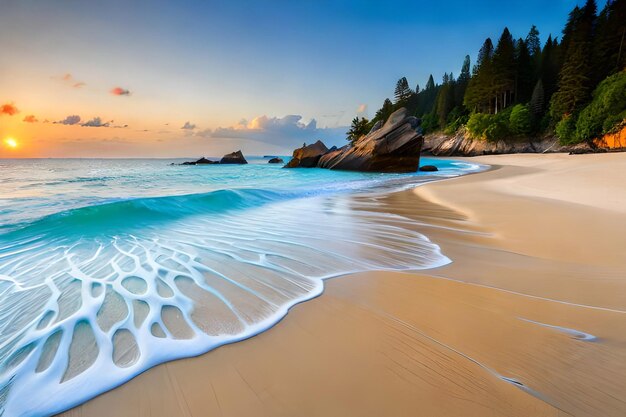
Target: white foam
207	281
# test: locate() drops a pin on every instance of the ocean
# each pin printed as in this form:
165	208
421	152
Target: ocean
110	267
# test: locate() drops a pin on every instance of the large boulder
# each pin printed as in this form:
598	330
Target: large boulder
307	156
233	158
392	147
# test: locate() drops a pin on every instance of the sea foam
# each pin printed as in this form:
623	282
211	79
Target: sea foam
93	296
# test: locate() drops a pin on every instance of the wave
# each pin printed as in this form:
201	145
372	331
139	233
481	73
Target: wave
125	215
93	296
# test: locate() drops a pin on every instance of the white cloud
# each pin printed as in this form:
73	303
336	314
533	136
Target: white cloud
282	131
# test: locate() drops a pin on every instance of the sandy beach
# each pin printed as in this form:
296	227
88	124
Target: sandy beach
529	319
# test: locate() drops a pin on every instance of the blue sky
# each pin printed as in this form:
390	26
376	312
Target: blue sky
220	65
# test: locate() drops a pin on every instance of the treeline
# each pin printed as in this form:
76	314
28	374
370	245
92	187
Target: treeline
575	86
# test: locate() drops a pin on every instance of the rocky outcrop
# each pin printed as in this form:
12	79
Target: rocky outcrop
276	161
233	158
392	147
307	156
461	144
201	161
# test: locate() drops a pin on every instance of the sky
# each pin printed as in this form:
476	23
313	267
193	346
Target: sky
121	78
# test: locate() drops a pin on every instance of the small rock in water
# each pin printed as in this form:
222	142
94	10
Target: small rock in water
233	158
275	161
428	168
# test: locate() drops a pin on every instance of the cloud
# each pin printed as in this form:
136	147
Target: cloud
95	122
69	80
70	120
8	109
30	119
289	130
119	91
188	126
362	110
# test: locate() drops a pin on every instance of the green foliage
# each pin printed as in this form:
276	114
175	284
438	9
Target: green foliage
430	123
498	127
566	130
360	126
477	124
605	111
491	127
550	83
456	119
520	121
384	112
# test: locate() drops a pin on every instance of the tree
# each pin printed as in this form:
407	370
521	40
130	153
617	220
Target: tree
359	127
403	91
427	98
525	72
504	70
533	45
445	99
537	101
479	93
384	112
462	82
550	66
532	42
609	44
576	75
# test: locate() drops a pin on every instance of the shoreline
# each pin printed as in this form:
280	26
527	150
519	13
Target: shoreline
333	355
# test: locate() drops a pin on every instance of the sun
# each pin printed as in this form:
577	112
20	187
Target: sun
11	143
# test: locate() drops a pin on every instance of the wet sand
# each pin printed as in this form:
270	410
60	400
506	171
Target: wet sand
528	320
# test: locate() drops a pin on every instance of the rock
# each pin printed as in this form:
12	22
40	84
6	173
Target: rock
233	158
201	161
275	160
428	168
307	156
204	161
461	144
394	147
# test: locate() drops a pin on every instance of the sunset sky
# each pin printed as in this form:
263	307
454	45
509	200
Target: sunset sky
190	78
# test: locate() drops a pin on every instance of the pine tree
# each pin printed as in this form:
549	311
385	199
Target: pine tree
479	93
384	112
537	101
427	97
525	79
462	82
532	41
610	40
576	75
504	70
430	84
445	99
550	66
403	91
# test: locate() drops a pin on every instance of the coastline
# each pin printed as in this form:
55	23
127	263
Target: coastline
389	343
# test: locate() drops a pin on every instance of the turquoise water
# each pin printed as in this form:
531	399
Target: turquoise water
109	267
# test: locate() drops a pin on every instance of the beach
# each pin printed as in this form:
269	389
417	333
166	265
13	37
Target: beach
529	318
